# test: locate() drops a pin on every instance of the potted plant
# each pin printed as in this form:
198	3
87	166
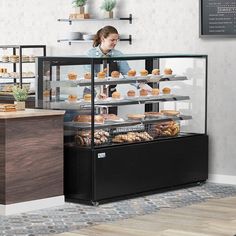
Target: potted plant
108	6
20	95
79	6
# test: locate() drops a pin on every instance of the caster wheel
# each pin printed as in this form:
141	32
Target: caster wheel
96	204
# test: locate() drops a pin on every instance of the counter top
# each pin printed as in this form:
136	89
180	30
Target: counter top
30	113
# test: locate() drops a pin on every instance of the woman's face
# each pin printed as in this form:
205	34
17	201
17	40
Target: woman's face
110	41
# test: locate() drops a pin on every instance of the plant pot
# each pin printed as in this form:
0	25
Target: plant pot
79	10
108	14
20	105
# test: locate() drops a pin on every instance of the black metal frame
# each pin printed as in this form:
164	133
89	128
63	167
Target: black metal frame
190	151
20	48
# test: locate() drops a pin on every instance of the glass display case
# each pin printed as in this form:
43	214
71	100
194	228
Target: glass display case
134	124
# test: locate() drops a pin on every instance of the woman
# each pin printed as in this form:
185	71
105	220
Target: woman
104	44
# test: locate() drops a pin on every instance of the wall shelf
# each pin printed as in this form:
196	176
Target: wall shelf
130	18
70	41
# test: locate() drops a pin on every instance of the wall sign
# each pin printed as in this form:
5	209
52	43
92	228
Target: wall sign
218	18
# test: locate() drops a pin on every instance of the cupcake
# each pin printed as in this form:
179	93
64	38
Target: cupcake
132	72
72	76
87	97
72	98
143	92
167	71
116	95
101	75
155	91
144	72
87	75
115	74
166	90
131	93
156	72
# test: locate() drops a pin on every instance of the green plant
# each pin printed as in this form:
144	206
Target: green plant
79	3
108	5
20	94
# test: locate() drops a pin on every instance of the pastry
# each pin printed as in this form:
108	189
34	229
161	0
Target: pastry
110	117
115	74
155	91
72	98
116	95
25	58
135	116
143	92
166	90
72	76
169	128
14	58
143	72
98	119
87	75
167	71
5	58
87	97
132	72
170	112
7	107
101	75
156	72
153	114
131	93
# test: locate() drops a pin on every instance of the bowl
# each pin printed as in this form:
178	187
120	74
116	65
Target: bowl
74	35
88	36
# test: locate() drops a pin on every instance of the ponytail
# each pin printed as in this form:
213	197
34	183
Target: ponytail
97	39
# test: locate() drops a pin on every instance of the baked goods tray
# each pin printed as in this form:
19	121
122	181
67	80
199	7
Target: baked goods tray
142	100
128	122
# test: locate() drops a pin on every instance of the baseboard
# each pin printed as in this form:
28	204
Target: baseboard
222	179
21	207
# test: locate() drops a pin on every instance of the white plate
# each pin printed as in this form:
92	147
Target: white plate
104	100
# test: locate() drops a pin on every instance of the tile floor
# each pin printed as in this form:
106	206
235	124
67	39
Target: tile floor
72	216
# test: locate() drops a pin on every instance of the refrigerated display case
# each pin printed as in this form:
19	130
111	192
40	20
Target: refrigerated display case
127	134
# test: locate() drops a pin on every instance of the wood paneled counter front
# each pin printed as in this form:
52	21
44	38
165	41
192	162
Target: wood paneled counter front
31	156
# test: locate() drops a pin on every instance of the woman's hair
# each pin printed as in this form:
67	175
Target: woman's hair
103	32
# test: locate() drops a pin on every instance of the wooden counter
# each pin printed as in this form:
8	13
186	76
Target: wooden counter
31	155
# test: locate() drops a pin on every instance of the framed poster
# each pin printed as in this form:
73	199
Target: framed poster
218	18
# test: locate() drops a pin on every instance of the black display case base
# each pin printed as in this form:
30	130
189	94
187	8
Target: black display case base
125	171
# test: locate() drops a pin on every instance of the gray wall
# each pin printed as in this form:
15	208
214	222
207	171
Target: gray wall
170	26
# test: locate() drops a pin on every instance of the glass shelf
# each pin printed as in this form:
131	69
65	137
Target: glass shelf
114	102
115	124
112	81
